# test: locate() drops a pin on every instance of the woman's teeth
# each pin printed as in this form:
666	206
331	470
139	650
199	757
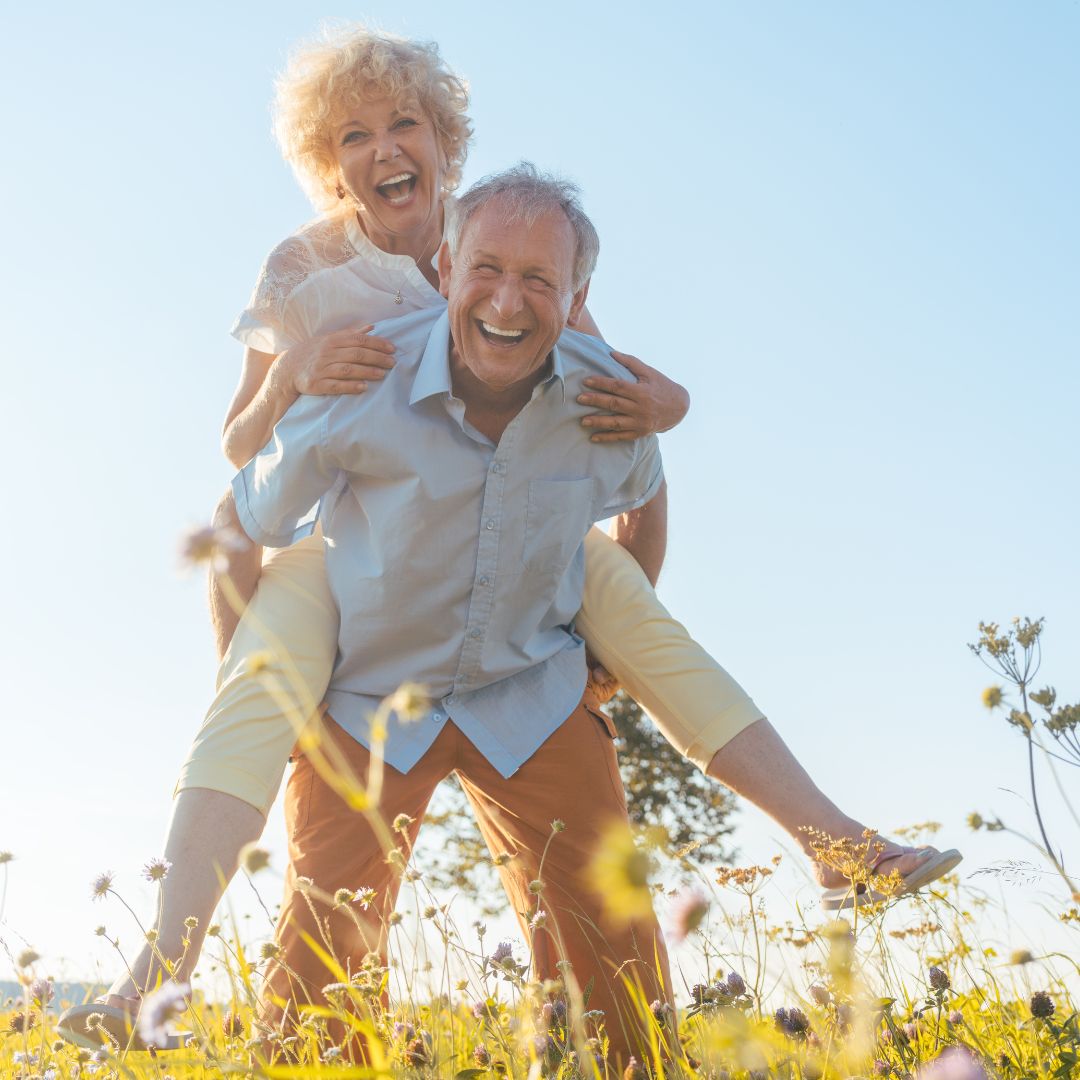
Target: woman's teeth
398	188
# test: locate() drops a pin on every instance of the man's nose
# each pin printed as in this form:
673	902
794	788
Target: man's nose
507	298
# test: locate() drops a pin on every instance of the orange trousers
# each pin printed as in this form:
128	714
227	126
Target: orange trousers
574	777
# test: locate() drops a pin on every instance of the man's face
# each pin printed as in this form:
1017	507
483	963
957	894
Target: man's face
510	293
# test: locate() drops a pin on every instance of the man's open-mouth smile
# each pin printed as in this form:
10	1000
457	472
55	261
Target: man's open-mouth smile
497	336
398	189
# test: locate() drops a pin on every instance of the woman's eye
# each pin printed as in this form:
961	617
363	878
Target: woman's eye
405	122
353	136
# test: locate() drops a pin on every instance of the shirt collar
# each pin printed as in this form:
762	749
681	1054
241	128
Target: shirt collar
433	372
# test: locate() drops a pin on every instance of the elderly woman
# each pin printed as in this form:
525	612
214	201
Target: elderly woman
375	127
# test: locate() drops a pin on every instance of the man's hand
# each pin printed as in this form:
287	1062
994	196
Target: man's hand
650	404
343	362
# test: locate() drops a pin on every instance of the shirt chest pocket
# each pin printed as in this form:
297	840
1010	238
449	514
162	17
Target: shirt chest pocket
558	515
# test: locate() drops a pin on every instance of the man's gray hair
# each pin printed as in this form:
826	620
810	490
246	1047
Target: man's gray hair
525	194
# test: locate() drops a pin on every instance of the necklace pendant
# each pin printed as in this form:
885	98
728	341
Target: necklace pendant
397	299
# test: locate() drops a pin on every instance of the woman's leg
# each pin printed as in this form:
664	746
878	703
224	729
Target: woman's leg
271	680
698	707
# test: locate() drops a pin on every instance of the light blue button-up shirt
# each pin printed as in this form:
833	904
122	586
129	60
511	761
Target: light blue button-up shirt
455	563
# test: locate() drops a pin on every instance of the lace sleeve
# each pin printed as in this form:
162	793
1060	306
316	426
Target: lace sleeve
264	323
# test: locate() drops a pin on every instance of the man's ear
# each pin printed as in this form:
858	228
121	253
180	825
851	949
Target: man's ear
577	305
444	269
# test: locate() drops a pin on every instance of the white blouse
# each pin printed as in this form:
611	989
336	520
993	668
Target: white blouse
328	276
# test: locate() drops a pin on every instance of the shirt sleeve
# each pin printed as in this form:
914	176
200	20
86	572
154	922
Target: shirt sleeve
276	492
269	323
642	482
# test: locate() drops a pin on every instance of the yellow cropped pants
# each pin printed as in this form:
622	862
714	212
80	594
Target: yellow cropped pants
278	666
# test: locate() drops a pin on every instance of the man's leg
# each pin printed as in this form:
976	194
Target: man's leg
573	777
332	848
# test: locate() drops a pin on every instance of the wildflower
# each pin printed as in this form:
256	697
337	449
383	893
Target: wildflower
539	920
992	697
660	1010
213	930
5	857
214	546
820	995
26	958
938	979
503	951
99	931
394	918
687	913
21	1022
269	950
955	1017
502	858
1020	957
619	873
481	1055
430	911
254	858
792	1022
634	1070
151	936
156	869
342	897
954	1063
101	885
159	1008
416	1054
232	1026
402	823
558	825
410	701
191	922
331	1053
736	985
536	886
1042	1005
41	991
479	927
364	897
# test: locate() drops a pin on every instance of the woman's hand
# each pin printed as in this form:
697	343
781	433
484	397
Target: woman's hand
343	362
652	403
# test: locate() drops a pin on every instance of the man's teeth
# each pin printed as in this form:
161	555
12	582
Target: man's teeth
489	329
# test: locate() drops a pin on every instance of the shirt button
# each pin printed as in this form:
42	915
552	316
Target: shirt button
490	523
474	633
497	467
483	580
437	717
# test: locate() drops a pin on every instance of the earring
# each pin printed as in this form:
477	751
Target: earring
340	192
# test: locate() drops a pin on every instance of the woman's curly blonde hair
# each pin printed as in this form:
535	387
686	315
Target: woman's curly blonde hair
345	66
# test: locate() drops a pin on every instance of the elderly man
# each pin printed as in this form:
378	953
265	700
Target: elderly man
455	504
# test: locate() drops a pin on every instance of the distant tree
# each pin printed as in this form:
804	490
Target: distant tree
663	789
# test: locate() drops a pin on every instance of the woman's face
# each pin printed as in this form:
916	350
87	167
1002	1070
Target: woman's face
390	160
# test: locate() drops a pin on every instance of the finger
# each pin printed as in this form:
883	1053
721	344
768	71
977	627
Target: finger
613	386
610	403
632	364
355	372
615	436
373	344
326	387
373	357
601	674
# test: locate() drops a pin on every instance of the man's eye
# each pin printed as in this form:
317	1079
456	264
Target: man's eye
536	279
486	267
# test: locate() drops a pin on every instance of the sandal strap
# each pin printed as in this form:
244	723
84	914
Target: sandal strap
886	854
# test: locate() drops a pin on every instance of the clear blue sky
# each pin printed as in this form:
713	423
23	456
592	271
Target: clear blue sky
851	230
